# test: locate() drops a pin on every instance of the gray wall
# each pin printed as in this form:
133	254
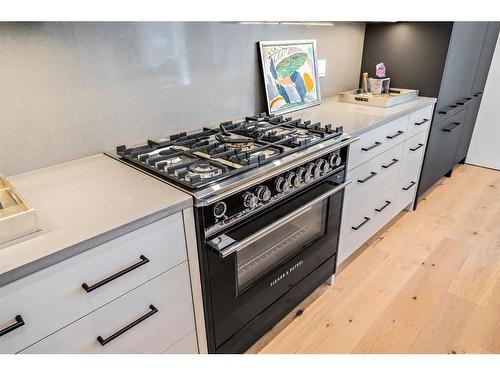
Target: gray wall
70	90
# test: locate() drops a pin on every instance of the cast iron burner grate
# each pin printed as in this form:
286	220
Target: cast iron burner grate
210	155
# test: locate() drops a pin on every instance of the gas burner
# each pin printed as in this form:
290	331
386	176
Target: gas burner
203	170
199	171
279	132
201	167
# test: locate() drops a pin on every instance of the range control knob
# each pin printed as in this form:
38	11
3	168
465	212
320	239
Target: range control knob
319	167
334	160
292	179
250	200
263	193
309	172
219	209
278	184
281	185
301	174
325	167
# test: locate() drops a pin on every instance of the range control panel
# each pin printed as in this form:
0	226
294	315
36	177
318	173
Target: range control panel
239	205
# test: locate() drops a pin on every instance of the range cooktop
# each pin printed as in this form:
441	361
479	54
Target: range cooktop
195	160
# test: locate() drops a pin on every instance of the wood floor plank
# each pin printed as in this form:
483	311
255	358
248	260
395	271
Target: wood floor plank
416	302
481	329
477	278
457	326
414	243
440	334
387	335
494	300
446	254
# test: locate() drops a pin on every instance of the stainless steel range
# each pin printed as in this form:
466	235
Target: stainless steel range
268	195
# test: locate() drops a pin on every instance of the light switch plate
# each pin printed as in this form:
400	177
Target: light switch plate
321	68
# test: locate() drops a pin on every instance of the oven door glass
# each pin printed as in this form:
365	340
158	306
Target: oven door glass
280	243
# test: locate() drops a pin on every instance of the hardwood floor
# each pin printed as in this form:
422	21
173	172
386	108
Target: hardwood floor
429	283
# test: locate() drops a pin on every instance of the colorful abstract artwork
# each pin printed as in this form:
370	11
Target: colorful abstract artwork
290	75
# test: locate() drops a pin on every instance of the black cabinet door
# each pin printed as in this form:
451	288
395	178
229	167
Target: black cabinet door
441	150
461	66
490	41
468	128
483	68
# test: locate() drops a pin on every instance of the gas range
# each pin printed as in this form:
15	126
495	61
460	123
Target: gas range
268	195
214	161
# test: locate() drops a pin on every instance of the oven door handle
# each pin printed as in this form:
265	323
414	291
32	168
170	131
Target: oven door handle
285	219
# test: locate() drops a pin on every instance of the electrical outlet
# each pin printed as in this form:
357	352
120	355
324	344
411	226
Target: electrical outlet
321	68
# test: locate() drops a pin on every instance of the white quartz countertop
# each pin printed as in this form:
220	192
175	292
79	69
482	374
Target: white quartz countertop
82	204
357	118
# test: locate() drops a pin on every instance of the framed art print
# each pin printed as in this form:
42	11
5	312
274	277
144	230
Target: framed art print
290	75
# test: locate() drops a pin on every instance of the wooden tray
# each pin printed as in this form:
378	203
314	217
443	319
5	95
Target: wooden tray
17	218
394	97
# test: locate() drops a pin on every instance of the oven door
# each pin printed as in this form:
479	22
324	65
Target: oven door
252	265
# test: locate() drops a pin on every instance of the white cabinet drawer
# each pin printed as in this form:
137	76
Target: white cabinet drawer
54	297
374	176
413	153
355	230
360	223
149	319
385	208
187	345
420	120
376	141
407	189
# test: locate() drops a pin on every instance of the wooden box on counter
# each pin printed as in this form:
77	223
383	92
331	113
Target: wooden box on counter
17	217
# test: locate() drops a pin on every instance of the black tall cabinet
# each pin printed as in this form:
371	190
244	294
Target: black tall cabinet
446	60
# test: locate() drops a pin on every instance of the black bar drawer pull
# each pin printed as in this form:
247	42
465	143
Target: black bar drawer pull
103	342
399	132
409	186
376	144
372	174
19	323
452	107
387	203
453	127
142	262
420	145
394	161
366	220
422	122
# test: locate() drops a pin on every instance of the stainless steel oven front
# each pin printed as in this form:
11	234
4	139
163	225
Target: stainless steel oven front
258	269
